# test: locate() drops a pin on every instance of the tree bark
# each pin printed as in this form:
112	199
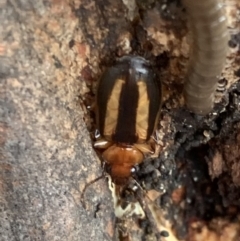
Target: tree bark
46	152
51	56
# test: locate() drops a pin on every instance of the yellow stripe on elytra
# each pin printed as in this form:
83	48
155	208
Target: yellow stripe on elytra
142	111
112	108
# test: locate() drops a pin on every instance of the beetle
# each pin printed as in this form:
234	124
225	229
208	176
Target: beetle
128	102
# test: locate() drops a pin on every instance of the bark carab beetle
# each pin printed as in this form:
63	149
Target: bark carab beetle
128	103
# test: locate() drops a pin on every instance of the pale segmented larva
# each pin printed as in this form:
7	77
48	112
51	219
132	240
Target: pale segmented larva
208	24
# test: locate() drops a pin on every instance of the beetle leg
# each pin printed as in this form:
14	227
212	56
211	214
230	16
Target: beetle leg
155	143
157	151
102	144
145	148
93	106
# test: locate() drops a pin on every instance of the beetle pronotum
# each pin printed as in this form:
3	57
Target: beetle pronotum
208	25
127	111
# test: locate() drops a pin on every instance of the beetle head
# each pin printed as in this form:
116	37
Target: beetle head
120	162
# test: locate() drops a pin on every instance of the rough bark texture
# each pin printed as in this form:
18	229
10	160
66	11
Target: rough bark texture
46	152
51	55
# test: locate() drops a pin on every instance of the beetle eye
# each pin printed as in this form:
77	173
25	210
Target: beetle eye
136	168
97	134
108	168
133	170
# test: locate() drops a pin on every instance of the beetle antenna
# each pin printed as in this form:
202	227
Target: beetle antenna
82	198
